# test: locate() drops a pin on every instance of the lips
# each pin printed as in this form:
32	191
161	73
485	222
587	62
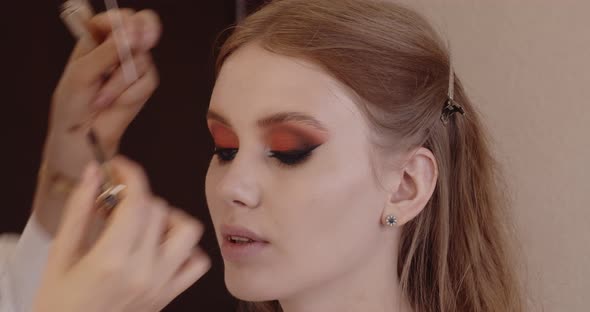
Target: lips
238	234
240	244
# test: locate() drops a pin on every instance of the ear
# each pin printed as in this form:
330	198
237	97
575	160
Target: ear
415	188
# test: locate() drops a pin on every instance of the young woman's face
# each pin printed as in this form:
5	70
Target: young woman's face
290	190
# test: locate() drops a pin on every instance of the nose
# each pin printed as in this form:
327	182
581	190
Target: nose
240	186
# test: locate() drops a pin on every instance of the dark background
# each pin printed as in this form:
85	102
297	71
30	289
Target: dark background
169	137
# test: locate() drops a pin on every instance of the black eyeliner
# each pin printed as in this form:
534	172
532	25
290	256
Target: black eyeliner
293	157
286	158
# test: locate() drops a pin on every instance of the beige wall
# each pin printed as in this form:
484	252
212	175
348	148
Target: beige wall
527	65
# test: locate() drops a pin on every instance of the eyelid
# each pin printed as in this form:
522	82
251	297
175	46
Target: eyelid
295	151
222	135
289	139
220	153
294	157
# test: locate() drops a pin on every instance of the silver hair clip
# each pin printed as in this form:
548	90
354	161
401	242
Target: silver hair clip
450	106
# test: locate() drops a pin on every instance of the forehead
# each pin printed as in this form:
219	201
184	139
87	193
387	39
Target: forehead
254	83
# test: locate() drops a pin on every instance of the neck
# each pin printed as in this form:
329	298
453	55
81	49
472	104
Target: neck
373	286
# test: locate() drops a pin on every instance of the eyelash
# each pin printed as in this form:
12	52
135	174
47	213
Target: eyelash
225	154
287	158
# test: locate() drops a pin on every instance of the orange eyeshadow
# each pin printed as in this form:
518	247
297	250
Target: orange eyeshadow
223	136
289	137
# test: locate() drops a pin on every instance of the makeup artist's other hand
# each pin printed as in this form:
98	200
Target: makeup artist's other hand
83	97
144	258
93	91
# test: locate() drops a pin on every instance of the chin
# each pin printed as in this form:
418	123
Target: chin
252	285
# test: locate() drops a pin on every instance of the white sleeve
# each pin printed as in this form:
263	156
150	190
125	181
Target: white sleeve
22	261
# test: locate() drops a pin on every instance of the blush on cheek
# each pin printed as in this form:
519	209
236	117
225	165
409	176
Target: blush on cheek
223	137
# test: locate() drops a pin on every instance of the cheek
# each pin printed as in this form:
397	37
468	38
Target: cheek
214	175
337	207
327	226
342	208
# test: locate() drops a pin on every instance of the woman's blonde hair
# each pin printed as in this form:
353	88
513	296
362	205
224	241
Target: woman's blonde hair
454	255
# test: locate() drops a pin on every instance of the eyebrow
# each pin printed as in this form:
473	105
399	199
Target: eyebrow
275	119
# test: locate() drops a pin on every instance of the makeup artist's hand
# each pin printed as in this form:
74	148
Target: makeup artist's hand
93	91
144	258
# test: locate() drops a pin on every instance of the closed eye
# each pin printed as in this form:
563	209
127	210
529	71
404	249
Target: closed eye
294	157
288	158
225	154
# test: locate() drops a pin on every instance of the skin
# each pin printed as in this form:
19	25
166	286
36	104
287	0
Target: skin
83	99
327	248
145	255
143	258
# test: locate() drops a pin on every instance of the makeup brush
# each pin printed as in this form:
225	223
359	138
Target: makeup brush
76	14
